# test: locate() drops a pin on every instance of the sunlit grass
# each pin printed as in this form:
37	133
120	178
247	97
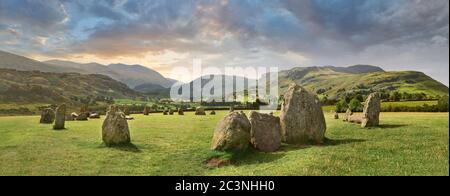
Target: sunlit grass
405	144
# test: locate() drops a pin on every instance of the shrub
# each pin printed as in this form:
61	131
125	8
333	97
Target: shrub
341	106
355	105
442	105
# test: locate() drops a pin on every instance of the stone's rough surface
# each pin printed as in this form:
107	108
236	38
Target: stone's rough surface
180	111
302	119
265	132
354	118
146	111
212	112
94	115
200	111
82	116
47	116
126	110
232	133
347	115
115	128
371	112
60	117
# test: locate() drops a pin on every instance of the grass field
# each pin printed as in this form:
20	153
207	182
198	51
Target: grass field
404	144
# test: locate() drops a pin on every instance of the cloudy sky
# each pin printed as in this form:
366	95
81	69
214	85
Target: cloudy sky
161	34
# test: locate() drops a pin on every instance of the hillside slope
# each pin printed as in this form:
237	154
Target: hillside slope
44	87
333	82
12	61
132	75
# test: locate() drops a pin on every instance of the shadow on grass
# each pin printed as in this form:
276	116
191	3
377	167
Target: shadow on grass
335	142
130	147
327	142
252	156
247	157
390	126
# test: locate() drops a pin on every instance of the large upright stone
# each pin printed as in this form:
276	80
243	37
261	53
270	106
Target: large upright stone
302	119
47	116
371	111
115	127
171	112
180	111
232	133
60	117
200	111
265	132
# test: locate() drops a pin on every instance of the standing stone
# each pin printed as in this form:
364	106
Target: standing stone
180	111
165	112
126	110
146	111
212	112
335	115
82	116
200	111
60	117
302	119
171	112
47	116
232	133
371	111
347	115
265	132
115	128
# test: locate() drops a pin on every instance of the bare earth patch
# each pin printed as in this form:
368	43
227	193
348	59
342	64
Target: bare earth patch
217	162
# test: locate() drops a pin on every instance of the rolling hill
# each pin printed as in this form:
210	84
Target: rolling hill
12	61
54	88
335	81
327	81
131	75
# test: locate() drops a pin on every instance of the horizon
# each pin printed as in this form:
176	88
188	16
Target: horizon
395	36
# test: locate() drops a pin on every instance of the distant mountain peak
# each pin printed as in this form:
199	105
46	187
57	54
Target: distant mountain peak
356	69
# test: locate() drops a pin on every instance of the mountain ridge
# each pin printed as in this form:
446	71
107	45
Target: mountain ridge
132	75
18	86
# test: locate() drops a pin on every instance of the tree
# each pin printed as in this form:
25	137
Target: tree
443	104
395	96
359	97
355	105
341	106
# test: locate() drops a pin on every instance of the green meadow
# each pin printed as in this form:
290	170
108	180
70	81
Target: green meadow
404	144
